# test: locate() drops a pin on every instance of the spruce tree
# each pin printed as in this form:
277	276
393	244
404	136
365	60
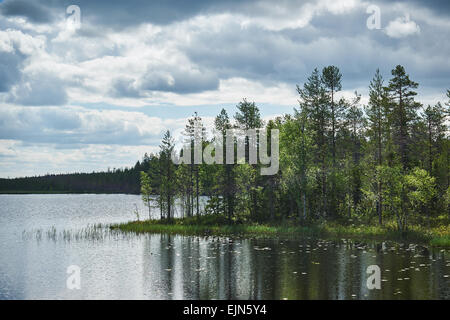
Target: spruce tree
377	116
404	111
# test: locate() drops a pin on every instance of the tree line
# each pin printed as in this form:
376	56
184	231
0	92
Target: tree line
120	180
339	160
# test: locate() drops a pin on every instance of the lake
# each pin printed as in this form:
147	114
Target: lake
42	235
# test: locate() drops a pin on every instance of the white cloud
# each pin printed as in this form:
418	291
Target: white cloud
7	147
27	159
402	27
294	15
11	40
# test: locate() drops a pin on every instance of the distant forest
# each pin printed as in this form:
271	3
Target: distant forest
112	181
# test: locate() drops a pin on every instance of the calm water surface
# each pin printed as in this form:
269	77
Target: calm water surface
41	235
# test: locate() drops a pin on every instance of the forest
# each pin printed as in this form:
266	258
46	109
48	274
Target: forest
384	162
387	161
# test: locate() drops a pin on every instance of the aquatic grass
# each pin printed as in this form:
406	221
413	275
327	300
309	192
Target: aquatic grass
96	232
51	233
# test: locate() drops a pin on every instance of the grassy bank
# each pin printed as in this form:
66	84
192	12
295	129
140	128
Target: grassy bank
217	226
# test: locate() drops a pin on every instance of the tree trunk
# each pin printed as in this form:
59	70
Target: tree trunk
169	198
380	204
380	163
149	209
430	151
304	205
197	188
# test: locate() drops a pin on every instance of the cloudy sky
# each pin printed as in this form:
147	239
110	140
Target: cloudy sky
97	92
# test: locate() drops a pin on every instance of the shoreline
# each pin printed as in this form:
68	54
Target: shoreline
435	237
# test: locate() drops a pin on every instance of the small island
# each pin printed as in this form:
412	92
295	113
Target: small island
377	172
217	226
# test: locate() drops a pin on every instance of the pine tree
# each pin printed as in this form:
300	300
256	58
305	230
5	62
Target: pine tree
434	118
226	172
248	117
355	122
295	147
167	169
377	116
146	192
404	110
313	101
331	79
195	134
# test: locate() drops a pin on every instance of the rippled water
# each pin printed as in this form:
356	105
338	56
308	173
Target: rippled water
35	254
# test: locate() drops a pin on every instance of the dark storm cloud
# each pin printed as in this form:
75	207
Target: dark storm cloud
33	10
440	7
118	13
123	14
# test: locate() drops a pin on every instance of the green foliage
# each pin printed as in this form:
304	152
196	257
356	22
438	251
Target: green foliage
248	115
167	185
421	189
447	198
146	191
404	111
